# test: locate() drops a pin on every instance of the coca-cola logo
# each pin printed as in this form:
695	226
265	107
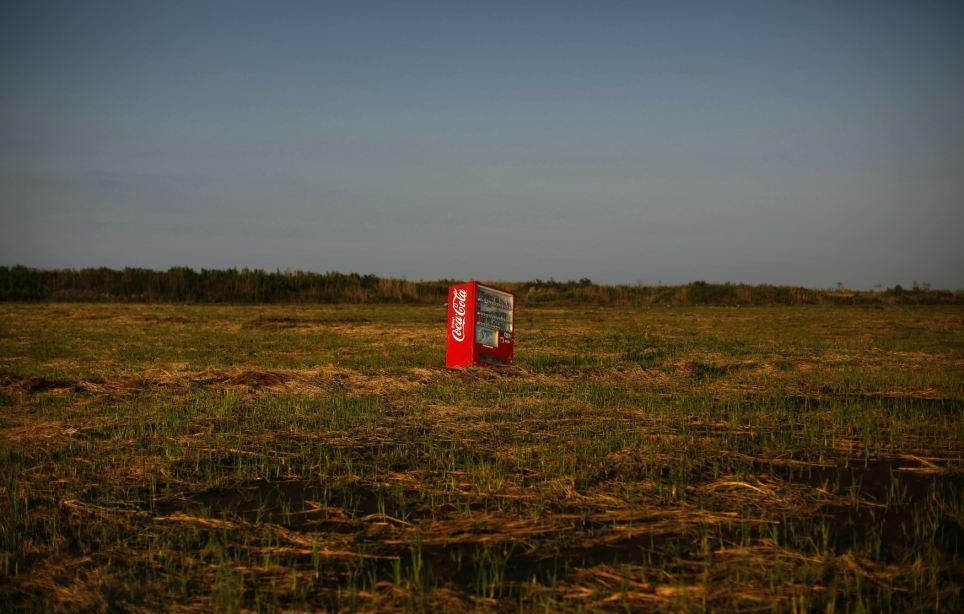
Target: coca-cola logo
459	298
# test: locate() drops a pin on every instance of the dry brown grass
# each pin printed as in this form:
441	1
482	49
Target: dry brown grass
202	457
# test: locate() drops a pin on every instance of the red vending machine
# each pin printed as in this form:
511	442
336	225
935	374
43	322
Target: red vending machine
480	327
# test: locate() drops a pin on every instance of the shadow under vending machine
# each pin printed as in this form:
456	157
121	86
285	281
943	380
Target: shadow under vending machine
480	330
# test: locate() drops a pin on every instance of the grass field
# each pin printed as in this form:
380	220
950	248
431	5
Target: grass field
319	457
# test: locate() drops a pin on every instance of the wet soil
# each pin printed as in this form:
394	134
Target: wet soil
894	510
888	522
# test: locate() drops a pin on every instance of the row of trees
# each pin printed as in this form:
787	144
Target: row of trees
181	284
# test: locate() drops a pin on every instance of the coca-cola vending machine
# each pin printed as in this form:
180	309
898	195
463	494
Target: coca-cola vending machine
480	330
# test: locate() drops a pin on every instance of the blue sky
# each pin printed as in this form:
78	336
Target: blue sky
802	143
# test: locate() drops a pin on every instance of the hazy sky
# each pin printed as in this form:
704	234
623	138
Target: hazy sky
799	142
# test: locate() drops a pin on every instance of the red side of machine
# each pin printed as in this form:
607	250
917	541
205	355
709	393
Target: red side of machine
480	328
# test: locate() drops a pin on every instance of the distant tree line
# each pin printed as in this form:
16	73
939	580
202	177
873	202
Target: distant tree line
185	285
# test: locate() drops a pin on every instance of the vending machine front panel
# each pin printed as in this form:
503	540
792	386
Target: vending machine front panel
493	322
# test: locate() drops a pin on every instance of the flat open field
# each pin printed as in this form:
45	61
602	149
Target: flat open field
319	457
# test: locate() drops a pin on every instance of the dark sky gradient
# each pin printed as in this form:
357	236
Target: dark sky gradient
802	143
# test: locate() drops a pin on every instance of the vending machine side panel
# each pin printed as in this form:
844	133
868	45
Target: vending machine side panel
460	327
